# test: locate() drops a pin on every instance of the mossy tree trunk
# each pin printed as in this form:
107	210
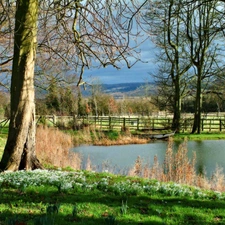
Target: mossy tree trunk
19	152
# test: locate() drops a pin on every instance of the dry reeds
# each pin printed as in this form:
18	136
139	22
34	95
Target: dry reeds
84	136
53	148
137	169
122	140
178	168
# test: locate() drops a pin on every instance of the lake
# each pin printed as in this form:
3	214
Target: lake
119	159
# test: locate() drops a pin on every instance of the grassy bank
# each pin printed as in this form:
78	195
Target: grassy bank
56	197
202	136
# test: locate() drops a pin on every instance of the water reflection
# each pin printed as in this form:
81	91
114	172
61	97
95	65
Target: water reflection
209	153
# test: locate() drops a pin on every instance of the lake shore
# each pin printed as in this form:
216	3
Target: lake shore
146	138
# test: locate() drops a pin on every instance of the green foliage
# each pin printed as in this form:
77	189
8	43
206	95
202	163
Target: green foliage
112	135
52	98
42	120
12	221
53	209
59	100
111	220
124	207
44	220
41	107
75	211
80	105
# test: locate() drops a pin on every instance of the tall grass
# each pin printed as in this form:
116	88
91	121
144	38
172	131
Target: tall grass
53	148
178	168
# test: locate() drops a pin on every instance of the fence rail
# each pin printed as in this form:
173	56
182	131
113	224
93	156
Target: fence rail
209	124
214	124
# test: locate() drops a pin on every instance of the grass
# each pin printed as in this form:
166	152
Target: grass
93	198
3	136
202	136
2	144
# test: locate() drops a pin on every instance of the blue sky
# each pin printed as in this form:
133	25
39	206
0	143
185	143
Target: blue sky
138	73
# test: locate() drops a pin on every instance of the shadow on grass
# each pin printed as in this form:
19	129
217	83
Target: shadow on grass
24	219
96	208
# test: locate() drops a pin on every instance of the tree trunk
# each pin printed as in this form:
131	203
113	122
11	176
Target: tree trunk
19	152
198	106
177	106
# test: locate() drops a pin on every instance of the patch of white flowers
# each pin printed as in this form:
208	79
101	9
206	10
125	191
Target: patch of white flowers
77	180
127	188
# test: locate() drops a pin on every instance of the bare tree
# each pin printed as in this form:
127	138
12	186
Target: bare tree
202	18
168	29
190	49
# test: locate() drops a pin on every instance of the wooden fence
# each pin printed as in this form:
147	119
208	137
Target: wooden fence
214	124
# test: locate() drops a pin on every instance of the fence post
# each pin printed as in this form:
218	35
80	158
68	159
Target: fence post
124	123
95	121
202	124
137	123
185	125
220	125
110	123
54	117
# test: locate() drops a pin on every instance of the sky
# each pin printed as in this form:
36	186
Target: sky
140	72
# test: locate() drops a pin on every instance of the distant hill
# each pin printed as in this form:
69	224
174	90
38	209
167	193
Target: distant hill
116	90
124	89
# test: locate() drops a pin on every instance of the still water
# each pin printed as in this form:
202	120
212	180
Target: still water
119	159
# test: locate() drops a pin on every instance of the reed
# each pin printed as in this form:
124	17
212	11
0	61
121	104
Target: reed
122	140
53	148
178	168
137	170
